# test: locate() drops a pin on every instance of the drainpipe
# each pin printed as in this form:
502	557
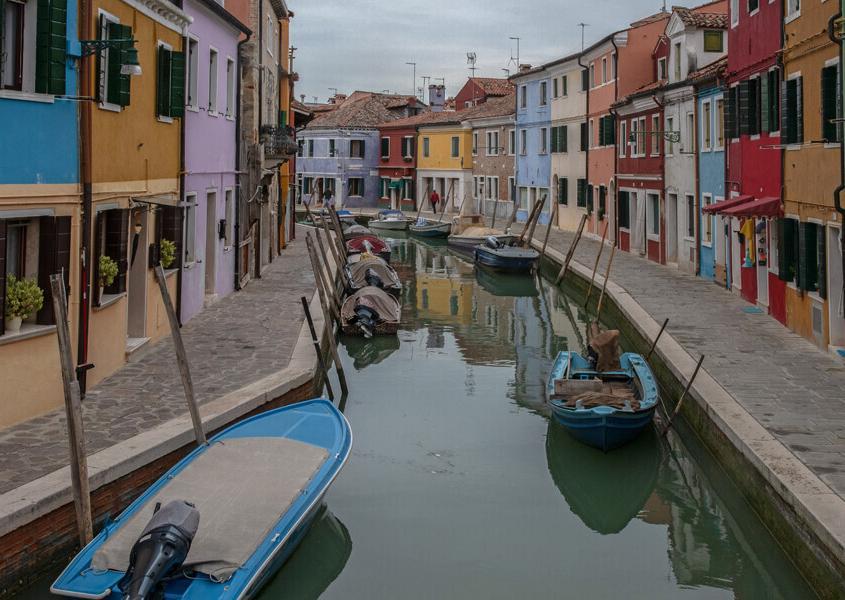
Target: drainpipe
238	186
182	170
837	193
87	202
587	117
615	149
257	240
662	252
698	212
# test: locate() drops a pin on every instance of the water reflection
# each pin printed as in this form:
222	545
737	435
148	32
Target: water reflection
365	354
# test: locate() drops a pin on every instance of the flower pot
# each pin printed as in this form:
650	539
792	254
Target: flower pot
13	324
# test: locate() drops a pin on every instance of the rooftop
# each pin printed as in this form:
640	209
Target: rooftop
493	86
704	20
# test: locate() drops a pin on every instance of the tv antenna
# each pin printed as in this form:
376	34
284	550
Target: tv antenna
515	59
507	72
414	75
583	26
472	58
333	91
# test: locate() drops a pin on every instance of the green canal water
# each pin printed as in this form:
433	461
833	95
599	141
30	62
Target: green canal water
459	485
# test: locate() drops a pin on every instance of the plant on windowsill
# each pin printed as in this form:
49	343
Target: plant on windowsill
107	272
23	298
167	250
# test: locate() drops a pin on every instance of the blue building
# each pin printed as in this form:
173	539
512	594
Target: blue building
340	150
533	141
712	239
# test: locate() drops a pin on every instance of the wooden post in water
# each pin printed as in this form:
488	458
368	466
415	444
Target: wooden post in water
317	348
654	343
552	220
181	357
332	246
536	220
322	284
528	223
331	278
604	285
596	266
684	395
73	413
571	252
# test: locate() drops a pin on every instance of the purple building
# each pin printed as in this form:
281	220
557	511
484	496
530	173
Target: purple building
209	191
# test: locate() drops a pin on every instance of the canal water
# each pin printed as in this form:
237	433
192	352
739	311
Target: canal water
459	486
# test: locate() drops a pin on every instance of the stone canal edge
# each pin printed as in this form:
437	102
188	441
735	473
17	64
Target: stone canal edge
803	513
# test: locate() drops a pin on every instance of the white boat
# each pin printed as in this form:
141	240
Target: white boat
393	220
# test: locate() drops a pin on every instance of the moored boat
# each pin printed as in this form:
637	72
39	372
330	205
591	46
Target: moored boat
225	518
512	259
369	244
430	229
604	409
353	231
370	311
393	220
468	231
372	271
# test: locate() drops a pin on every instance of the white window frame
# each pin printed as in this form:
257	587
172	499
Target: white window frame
475	143
523	142
523	96
690	146
623	136
213	81
604	70
734	9
792	13
719	122
633	141
229	215
643	147
662	68
190	249
544	140
103	80
654	149
511	142
511	187
191	84
591	132
706	126
649	234
669	146
381	146
544	93
564	82
159	45
687	198
231	77
409	145
270	35
706	200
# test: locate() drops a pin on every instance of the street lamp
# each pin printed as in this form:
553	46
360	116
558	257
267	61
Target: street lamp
129	64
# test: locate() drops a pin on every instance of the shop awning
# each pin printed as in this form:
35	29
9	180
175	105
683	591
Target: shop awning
719	207
761	207
160	199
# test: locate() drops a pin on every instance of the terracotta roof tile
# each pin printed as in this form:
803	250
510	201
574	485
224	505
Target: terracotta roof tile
496	107
712	70
702	19
493	86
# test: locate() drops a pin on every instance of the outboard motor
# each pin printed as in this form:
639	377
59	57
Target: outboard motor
372	278
493	242
366	318
161	550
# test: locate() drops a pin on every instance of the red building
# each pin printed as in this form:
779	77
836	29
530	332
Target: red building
477	90
398	165
753	157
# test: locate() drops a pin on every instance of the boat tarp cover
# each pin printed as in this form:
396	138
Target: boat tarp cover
383	303
241	487
358	273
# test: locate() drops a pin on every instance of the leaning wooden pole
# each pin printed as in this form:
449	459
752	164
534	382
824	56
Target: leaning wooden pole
536	220
331	278
73	413
332	246
317	348
322	284
596	266
604	285
552	221
571	252
684	395
654	343
528	222
181	357
338	228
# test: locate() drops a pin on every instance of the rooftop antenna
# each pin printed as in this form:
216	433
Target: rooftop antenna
333	91
414	76
515	59
664	5
583	26
316	100
472	58
507	72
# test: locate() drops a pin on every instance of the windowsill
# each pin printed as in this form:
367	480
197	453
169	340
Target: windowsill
27	96
830	145
194	109
706	244
688	238
754	12
774	134
107	300
653	237
792	147
110	107
27	331
754	137
792	17
230	118
213	113
163	119
189	265
227	249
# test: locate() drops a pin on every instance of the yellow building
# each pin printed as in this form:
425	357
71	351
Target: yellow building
286	95
812	228
444	160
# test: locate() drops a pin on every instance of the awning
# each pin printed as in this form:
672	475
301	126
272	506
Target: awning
719	207
761	207
160	199
396	184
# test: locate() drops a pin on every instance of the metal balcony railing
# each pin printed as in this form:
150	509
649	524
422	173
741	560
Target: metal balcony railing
279	142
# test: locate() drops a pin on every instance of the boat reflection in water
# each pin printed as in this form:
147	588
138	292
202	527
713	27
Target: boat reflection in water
365	353
317	562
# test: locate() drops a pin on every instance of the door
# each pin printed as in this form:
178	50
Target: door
761	245
836	297
137	287
210	242
672	227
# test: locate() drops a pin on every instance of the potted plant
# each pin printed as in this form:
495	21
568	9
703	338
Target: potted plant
23	297
107	272
167	251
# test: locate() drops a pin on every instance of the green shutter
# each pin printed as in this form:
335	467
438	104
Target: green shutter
163	82
784	110
177	84
601	131
783	250
808	272
822	261
764	103
565	138
799	108
117	84
730	114
590	199
581	192
828	103
744	108
553	140
51	47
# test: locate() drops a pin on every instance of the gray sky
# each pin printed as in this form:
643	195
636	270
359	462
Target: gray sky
364	44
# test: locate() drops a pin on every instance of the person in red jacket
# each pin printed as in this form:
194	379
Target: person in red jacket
434	198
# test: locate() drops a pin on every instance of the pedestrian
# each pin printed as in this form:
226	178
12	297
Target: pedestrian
434	198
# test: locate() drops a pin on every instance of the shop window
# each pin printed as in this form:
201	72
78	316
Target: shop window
623	211
111	235
654	214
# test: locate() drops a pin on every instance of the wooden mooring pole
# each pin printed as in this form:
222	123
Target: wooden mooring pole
181	357
73	412
317	348
604	285
684	395
319	277
571	252
596	266
654	343
552	221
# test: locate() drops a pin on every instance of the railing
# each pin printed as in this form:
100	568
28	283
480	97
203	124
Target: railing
279	142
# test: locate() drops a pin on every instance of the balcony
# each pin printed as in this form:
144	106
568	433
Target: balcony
279	142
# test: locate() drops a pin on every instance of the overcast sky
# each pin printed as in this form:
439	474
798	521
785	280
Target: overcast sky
364	44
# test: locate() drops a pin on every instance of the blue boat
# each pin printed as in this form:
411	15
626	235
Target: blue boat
495	254
225	518
430	228
631	398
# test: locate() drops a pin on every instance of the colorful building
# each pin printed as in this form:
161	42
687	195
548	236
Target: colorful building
478	90
493	183
444	159
40	216
533	144
210	181
397	169
809	257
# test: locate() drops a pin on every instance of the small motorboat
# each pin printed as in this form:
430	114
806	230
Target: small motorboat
605	405
468	231
372	271
368	244
428	228
393	220
353	231
225	518
494	254
370	311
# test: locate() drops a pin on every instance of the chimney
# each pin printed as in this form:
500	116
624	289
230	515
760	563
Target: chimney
436	97
337	99
524	67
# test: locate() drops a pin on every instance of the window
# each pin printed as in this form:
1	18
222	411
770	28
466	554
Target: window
493	188
581	193
753	115
706	221
230	88
544	140
792	127
753	5
623	211
623	138
607	130
170	82
585	80
642	143
734	13
523	96
492	143
332	147
731	112
456	146
655	135
592	75
812	258
831	97
14	42
584	138
212	81
310	148
300	145
662	72
771	104
793	8
635	139
713	41
602	201
229	216
385	147
592	134
269	35
555	87
653	214
193	64
690	201
114	88
356	148
474	143
544	93
356	186
408	146
720	123
604	70
511	188
426	147
669	144
677	57
190	228
564	83
690	145
34	46
512	142
706	127
523	142
563	191
523	198
559	138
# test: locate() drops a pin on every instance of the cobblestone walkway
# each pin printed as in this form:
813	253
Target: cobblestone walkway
792	388
243	337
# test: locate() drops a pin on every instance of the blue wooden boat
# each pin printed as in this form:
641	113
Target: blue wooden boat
628	395
225	518
495	254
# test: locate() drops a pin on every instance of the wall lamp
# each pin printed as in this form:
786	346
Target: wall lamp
129	64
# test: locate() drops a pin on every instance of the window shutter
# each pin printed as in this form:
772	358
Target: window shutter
163	82
764	103
744	108
51	47
784	245
601	131
553	140
821	261
118	85
585	80
564	138
171	229
385	147
53	258
2	272
590	199
730	114
177	85
799	104
582	192
583	137
563	190
611	130
117	242
807	254
784	110
828	103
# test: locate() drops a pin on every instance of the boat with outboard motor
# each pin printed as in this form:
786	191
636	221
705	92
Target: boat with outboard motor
368	244
353	231
369	270
429	228
495	254
370	311
468	231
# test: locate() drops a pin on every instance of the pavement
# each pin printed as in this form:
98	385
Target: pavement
238	340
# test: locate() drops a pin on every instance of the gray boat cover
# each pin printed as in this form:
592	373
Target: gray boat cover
358	273
376	298
241	488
